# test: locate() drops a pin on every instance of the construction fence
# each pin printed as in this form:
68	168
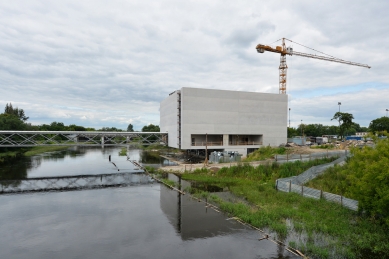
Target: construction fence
307	157
296	184
316	194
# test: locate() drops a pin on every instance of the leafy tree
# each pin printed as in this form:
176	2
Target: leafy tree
15	111
379	124
368	173
130	128
346	121
73	127
110	129
11	122
292	132
151	128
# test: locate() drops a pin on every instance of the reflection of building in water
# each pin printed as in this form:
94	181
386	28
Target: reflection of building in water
191	218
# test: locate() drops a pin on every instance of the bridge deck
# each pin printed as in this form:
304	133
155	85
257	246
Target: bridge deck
79	138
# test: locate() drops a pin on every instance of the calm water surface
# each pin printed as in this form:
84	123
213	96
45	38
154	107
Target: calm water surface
146	220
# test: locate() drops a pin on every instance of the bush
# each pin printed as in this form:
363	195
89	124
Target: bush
369	178
264	153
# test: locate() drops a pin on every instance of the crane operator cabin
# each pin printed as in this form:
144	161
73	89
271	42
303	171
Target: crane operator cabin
221	120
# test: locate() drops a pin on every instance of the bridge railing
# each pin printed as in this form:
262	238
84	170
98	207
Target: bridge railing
79	138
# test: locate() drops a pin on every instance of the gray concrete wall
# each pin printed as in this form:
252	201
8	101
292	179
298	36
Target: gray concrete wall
168	118
232	112
226	113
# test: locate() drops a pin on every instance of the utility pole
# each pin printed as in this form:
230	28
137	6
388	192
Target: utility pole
301	125
386	113
206	150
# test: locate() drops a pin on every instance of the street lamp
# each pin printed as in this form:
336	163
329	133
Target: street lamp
289	116
386	114
339	103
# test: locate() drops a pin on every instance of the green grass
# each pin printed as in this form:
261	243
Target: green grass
39	150
264	153
333	180
325	146
329	228
123	152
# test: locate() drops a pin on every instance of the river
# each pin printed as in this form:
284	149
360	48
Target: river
141	220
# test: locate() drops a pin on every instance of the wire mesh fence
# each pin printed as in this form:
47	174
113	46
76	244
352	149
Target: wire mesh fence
296	184
304	191
312	156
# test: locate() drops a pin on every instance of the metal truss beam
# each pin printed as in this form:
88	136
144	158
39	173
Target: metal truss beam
79	138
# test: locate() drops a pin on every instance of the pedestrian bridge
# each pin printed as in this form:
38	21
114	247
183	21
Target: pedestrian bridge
79	138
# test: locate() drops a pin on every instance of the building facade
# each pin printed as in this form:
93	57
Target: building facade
224	120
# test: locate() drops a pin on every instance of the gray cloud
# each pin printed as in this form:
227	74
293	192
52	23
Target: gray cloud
96	63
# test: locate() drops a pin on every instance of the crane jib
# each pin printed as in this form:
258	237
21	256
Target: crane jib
283	50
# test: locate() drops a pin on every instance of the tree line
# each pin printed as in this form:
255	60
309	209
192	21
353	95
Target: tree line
346	127
16	119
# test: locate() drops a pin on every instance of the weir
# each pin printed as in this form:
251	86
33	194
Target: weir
79	138
74	182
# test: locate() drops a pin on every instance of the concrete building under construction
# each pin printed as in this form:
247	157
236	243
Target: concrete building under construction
222	120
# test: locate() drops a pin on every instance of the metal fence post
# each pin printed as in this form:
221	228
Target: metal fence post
290	185
341	200
302	190
321	194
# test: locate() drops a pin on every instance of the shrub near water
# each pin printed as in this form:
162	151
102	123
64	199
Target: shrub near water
264	153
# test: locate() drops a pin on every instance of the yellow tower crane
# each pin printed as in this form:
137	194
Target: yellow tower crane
283	50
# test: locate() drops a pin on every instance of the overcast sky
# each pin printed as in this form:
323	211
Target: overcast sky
110	63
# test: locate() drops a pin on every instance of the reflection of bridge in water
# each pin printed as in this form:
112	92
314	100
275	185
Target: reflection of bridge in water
79	138
63	183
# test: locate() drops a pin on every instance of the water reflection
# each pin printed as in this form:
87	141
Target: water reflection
193	219
141	221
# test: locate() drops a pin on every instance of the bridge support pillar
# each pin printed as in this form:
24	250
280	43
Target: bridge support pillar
102	140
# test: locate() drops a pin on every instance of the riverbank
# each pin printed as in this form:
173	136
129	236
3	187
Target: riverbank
32	151
318	228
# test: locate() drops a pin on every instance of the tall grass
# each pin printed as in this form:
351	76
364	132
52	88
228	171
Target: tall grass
333	180
329	229
264	153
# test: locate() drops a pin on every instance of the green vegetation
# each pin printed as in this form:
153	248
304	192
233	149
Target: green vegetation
333	180
326	146
123	152
326	228
345	121
264	153
39	150
379	124
318	130
365	178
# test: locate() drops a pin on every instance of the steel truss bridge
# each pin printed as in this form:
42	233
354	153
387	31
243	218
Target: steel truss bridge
79	138
74	182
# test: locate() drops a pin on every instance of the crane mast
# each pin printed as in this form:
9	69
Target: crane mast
283	50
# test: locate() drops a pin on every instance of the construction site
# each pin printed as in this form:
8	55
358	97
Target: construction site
202	121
